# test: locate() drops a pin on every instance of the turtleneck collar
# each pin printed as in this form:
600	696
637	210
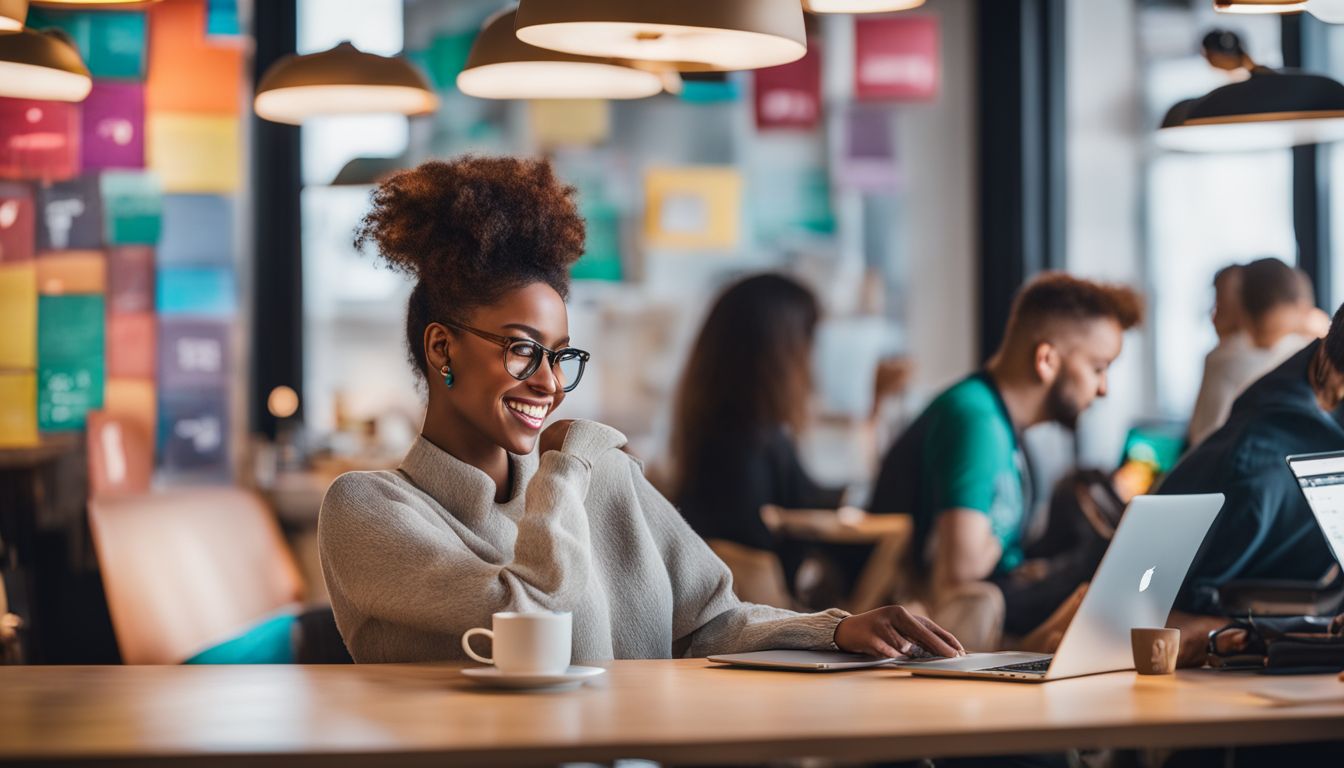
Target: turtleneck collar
464	491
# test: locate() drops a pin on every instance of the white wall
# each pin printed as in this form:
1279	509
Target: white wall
940	218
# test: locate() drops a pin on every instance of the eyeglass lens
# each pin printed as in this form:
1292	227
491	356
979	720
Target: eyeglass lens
523	358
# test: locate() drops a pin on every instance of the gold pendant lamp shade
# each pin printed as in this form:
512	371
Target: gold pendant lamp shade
41	65
341	81
501	66
12	14
691	35
860	6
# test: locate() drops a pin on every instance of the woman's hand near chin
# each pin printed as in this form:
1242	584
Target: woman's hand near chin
553	437
894	631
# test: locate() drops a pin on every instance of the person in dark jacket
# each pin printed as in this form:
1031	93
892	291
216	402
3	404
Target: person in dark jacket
1265	530
742	401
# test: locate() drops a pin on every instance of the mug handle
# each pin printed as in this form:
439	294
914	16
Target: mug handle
466	644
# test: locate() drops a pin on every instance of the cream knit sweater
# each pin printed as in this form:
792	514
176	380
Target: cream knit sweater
414	558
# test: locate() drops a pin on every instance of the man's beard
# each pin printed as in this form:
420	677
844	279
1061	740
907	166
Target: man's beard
1060	409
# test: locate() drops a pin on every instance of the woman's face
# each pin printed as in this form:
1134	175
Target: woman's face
507	411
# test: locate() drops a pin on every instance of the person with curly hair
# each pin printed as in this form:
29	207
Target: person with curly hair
489	511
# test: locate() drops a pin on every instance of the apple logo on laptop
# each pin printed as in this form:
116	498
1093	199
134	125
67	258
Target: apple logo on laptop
1147	579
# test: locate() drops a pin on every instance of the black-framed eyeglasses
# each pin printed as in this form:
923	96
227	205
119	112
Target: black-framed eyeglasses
523	356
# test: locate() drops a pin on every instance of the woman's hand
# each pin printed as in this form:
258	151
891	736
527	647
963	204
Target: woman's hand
553	438
894	631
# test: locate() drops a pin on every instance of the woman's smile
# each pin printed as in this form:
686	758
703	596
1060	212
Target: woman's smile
530	412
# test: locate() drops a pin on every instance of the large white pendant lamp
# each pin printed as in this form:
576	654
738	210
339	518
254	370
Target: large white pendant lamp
12	14
501	66
691	35
341	81
41	65
860	6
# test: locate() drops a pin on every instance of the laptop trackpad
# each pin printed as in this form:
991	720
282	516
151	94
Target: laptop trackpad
973	661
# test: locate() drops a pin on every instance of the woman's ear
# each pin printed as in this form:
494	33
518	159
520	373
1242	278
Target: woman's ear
438	346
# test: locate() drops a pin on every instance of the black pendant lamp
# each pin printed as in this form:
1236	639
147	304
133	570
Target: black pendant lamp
1269	109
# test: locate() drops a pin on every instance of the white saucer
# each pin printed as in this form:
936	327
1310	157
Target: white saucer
570	678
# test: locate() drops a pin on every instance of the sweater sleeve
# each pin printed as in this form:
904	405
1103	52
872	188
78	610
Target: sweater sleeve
393	565
707	618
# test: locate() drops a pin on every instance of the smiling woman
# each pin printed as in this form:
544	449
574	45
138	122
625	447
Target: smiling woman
490	513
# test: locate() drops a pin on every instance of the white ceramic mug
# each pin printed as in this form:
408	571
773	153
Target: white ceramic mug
525	643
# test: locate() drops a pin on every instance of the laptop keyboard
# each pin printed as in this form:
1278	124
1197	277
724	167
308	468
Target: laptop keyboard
1042	665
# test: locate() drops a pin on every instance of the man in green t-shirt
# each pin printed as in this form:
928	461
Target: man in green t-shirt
960	469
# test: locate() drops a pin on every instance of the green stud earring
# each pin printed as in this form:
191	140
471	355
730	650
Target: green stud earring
447	376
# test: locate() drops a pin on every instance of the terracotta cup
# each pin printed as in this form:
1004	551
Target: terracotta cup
1155	649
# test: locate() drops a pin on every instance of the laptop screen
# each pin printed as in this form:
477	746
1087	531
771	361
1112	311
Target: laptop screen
1321	477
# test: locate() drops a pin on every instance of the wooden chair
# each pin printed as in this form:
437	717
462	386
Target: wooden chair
185	568
757	575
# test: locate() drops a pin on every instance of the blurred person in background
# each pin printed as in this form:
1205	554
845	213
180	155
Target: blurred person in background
1266	529
1263	313
743	400
961	471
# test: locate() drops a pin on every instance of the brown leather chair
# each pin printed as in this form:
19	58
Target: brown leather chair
758	576
183	568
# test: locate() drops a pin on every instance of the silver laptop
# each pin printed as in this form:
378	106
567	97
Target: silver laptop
1321	478
1134	586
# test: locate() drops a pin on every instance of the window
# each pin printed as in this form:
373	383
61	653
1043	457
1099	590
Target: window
1202	212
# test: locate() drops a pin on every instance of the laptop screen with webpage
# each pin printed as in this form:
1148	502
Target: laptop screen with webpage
1321	478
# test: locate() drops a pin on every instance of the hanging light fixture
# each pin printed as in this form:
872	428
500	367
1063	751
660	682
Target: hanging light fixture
42	65
691	35
501	66
1260	6
94	5
1331	11
12	14
342	80
1269	109
860	6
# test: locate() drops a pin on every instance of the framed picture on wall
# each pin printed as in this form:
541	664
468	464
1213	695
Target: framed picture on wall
693	207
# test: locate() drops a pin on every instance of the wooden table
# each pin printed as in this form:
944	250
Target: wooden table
683	711
889	534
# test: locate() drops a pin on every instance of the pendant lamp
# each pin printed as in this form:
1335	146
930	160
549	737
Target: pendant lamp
41	65
691	35
860	6
367	170
1260	6
501	66
1330	11
12	14
341	81
94	5
1270	109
